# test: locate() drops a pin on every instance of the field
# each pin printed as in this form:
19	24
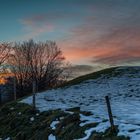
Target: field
82	106
122	85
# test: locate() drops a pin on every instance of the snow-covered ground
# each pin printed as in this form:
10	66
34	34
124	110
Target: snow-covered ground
124	91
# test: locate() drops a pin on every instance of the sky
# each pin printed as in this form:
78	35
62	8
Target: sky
92	34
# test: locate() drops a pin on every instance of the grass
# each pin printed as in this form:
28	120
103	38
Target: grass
109	72
107	135
93	75
16	123
15	118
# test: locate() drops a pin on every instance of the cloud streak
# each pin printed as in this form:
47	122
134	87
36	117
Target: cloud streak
118	47
94	32
38	24
35	27
110	36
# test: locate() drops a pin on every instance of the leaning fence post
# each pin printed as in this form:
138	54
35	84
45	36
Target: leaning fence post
15	91
34	92
110	114
0	96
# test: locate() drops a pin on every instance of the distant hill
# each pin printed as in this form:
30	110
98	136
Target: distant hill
109	72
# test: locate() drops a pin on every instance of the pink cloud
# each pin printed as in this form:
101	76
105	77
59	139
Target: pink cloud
111	35
119	46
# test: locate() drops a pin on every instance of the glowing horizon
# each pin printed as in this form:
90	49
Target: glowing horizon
95	33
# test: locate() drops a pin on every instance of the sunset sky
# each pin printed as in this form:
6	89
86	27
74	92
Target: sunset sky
91	33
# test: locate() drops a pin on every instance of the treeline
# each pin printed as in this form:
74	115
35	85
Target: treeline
30	61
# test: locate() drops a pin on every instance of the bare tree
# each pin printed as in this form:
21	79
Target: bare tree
4	52
42	62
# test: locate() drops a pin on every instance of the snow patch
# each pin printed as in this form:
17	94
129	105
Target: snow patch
32	119
51	137
89	95
53	124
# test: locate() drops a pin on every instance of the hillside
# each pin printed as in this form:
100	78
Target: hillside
83	109
109	72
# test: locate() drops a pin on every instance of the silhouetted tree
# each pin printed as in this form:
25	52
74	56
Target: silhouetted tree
4	52
42	62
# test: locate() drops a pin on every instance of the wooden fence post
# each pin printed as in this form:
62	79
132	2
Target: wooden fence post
0	96
15	90
110	114
34	94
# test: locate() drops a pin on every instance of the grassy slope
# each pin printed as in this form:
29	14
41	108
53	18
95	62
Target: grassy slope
93	75
109	72
16	123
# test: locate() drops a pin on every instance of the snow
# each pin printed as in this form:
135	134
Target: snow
8	138
53	124
37	114
12	108
123	90
51	137
32	119
88	133
19	113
